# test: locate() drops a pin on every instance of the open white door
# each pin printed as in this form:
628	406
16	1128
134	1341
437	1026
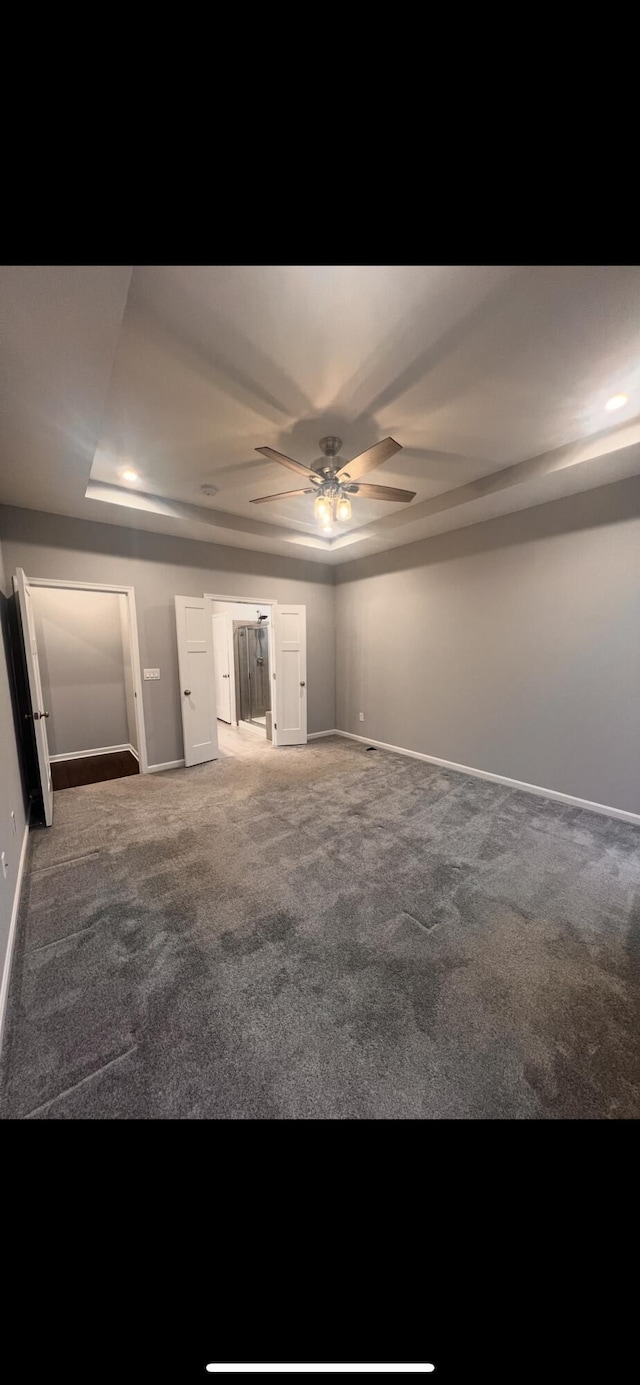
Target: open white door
194	629
38	711
222	665
291	675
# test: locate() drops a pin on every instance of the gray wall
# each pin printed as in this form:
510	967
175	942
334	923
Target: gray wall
11	791
160	567
511	646
81	658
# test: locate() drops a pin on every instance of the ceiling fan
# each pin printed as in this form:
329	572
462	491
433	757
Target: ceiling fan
334	480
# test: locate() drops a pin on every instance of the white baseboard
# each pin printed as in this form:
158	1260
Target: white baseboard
84	754
8	956
170	764
497	778
315	735
132	750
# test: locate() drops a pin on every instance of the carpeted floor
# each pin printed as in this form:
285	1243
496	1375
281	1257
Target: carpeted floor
325	931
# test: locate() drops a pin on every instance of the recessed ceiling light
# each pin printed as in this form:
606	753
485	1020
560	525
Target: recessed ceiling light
129	475
616	402
209	490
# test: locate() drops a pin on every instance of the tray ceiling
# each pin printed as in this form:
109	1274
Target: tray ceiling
494	379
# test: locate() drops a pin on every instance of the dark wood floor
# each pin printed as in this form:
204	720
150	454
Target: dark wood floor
70	774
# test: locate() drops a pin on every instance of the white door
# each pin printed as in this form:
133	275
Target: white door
194	629
291	675
222	666
38	711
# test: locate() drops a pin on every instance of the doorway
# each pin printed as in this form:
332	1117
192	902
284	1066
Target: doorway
211	724
82	662
243	674
279	691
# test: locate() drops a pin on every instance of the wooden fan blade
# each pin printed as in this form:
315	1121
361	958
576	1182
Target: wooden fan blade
382	493
366	461
284	495
288	461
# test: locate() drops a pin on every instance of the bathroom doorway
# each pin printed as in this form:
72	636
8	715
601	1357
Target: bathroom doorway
264	713
244	672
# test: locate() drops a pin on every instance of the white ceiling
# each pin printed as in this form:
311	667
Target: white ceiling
494	380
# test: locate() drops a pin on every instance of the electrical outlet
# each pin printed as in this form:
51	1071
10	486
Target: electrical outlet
5	865
150	673
361	715
13	823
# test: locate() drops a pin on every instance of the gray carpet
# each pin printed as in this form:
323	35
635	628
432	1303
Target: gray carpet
325	931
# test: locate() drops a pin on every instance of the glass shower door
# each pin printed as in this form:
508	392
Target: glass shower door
251	653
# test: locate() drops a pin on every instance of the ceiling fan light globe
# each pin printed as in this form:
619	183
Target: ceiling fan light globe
344	508
322	509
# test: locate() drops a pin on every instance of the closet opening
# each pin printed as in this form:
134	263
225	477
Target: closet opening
82	640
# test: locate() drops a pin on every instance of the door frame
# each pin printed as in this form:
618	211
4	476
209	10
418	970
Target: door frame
256	601
130	594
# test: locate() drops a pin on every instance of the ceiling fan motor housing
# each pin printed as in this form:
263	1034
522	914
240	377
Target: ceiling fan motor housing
330	446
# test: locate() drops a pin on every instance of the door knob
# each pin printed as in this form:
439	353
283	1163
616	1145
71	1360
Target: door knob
187	692
44	714
302	685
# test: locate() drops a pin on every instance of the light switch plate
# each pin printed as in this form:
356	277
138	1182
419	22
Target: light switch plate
151	673
5	865
361	715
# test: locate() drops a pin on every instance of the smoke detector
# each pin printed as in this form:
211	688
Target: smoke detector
209	490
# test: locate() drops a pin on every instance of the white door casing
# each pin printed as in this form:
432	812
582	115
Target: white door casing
38	711
194	629
222	666
291	674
